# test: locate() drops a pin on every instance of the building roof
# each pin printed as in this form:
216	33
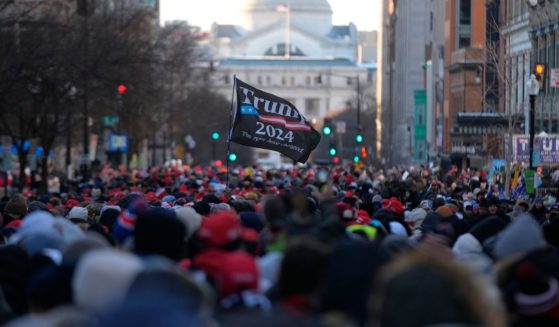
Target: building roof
340	32
299	5
299	62
228	31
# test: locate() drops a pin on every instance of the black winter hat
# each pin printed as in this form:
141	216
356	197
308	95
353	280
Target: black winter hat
492	201
108	218
15	269
158	231
487	228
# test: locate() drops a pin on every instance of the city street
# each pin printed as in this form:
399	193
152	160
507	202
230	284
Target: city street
389	163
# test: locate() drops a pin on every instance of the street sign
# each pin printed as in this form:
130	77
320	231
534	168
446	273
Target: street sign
110	120
554	77
340	127
118	143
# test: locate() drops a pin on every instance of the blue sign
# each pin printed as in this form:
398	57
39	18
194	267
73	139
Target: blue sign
546	149
117	143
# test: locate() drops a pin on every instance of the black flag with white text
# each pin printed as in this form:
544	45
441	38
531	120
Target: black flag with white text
263	120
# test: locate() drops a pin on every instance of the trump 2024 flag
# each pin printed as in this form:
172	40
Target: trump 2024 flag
263	120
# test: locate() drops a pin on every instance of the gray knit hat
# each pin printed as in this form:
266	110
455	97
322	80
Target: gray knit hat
520	237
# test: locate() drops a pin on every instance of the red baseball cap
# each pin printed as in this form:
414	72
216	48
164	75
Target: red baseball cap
233	272
72	203
220	229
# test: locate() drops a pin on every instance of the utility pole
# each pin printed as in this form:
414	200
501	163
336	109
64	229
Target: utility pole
85	8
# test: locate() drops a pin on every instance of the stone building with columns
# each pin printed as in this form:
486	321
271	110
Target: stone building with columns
293	50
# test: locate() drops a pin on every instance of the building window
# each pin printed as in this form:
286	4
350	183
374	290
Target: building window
268	80
431	18
226	79
420	114
349	80
464	23
278	50
283	80
259	79
312	107
318	80
292	80
308	80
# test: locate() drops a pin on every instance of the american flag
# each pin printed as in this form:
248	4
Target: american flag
519	192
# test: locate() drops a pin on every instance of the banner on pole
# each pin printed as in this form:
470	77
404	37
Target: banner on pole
266	121
546	151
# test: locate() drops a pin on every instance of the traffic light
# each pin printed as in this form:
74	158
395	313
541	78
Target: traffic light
359	138
121	89
333	151
356	158
363	152
327	129
336	160
539	71
215	136
232	157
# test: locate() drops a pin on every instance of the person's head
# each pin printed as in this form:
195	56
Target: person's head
302	268
436	291
79	216
102	278
173	290
108	217
158	231
530	293
221	230
523	204
493	205
15	209
275	212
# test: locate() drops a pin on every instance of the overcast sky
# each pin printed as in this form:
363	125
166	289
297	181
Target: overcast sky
363	13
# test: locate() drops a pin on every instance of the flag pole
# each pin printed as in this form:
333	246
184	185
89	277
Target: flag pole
230	129
288	32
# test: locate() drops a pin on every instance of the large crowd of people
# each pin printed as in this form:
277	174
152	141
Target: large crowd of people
305	246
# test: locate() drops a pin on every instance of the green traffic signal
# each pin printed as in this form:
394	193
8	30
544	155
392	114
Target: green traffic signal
232	157
359	138
333	151
327	130
356	159
215	136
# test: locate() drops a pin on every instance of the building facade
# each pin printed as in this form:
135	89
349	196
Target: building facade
434	78
473	78
404	40
544	37
295	52
517	60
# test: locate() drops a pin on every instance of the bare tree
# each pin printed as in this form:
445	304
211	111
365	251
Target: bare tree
501	71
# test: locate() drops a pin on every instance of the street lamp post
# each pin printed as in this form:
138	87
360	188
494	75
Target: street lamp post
533	89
